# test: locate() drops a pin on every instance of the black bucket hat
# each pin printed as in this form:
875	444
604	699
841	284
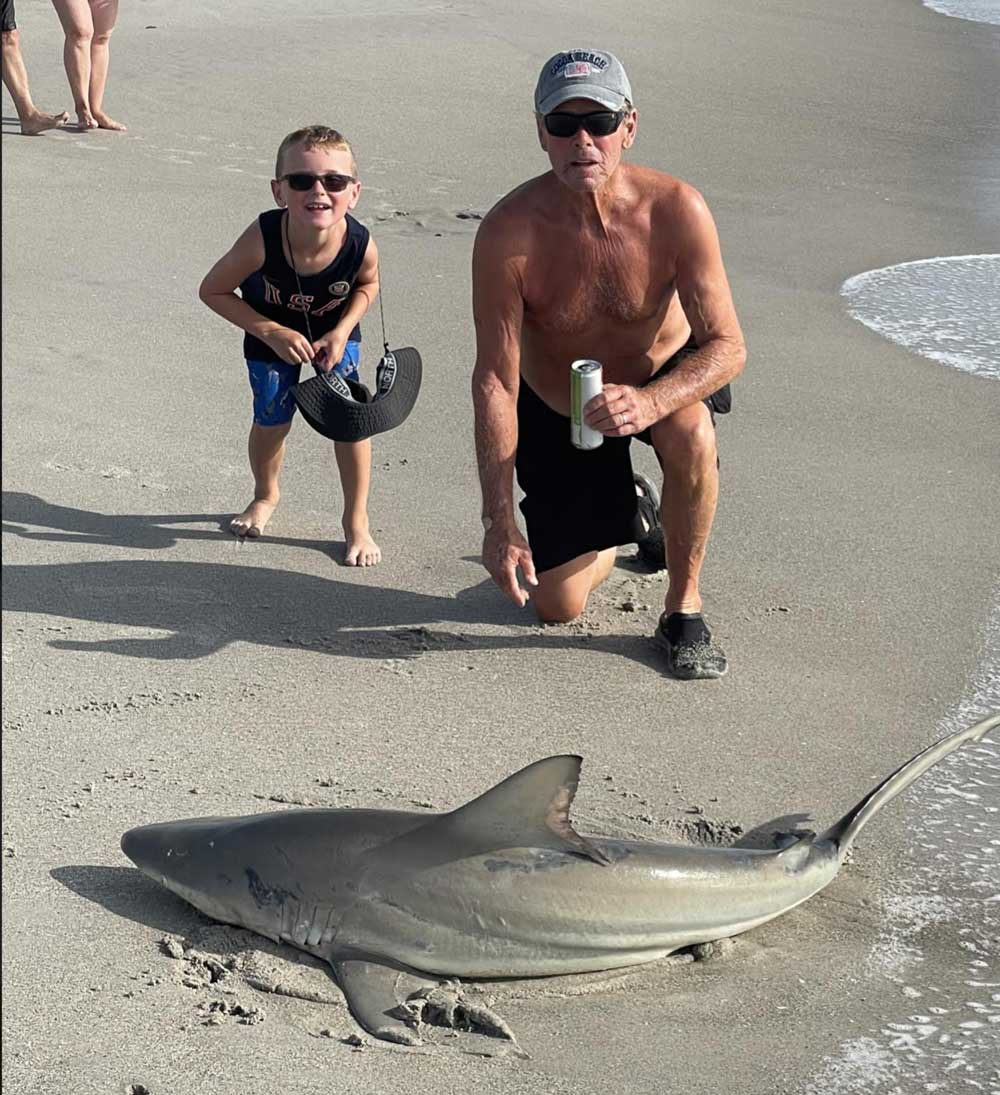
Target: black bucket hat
345	410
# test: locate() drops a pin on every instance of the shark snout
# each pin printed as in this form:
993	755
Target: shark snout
156	851
172	849
141	846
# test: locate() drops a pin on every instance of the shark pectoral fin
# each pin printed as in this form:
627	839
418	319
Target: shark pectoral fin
370	990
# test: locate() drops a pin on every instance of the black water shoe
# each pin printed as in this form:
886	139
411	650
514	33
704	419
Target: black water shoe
691	653
651	548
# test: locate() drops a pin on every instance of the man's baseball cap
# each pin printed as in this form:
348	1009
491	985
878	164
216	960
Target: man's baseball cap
582	74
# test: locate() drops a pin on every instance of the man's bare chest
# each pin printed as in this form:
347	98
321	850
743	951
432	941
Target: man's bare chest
571	285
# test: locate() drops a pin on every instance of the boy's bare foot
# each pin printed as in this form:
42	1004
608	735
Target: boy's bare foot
104	121
362	551
85	120
40	121
253	520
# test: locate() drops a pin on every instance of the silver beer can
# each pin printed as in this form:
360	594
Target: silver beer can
586	379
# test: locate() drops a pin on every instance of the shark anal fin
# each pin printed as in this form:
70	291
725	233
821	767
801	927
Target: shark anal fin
369	987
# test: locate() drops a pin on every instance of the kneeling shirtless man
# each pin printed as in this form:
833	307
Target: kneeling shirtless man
600	259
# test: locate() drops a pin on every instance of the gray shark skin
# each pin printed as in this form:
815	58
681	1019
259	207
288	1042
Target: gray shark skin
501	887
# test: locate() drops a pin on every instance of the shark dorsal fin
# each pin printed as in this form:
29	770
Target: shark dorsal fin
529	809
532	805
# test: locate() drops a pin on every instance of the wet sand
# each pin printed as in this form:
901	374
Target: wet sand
155	668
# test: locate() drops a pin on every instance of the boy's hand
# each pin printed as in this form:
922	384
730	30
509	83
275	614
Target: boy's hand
290	346
328	351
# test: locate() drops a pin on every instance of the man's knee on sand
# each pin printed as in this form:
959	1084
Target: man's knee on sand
562	592
558	605
11	41
685	441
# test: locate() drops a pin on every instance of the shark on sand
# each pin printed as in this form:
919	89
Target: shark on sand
502	887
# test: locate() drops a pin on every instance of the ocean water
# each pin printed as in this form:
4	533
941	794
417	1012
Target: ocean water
979	11
944	1034
947	309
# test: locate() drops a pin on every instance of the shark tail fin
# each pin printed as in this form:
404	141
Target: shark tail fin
843	833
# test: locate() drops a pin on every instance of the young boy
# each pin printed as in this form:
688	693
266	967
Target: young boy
307	272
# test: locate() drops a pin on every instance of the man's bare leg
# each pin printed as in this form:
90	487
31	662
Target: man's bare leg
685	445
562	592
105	12
15	79
266	448
354	459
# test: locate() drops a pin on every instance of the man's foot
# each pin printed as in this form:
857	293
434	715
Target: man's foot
651	548
105	121
253	520
39	122
691	653
85	120
362	551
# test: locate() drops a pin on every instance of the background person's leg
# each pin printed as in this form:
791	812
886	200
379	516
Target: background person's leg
104	14
15	80
78	26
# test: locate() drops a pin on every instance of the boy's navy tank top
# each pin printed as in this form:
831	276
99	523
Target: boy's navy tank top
274	293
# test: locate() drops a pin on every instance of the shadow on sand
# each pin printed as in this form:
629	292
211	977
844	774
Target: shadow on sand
127	892
201	608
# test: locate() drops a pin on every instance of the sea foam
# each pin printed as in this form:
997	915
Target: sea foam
947	309
978	11
945	1033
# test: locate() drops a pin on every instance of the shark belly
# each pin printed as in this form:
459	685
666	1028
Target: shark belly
533	912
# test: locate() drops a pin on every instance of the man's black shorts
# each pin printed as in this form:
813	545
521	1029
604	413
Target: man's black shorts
7	21
578	500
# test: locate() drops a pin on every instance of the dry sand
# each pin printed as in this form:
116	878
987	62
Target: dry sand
154	668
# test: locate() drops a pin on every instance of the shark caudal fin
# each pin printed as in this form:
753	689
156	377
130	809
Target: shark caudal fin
843	833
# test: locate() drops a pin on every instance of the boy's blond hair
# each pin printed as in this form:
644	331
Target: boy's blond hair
315	136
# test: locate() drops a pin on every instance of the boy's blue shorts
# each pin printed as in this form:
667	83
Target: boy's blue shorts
271	380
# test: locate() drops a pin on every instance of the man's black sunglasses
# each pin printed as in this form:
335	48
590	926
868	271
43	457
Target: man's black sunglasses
602	123
332	182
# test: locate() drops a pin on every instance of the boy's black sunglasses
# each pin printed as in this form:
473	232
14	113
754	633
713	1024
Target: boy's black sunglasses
332	182
602	123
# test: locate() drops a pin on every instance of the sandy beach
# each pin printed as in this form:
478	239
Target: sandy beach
155	668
